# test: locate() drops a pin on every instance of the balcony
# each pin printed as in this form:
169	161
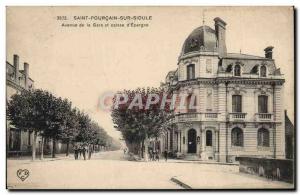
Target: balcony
237	116
184	117
211	115
196	116
263	117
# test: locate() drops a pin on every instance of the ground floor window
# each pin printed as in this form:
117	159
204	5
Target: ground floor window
237	138
263	137
14	139
208	138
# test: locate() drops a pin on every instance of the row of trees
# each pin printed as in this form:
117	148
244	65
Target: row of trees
140	123
47	116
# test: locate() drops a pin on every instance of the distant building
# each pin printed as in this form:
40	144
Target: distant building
16	81
20	142
239	99
289	137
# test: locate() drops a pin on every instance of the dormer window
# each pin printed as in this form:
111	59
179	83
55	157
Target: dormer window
237	70
254	70
190	71
263	71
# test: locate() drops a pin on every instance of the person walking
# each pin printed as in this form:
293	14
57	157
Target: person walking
79	151
84	149
157	156
76	152
166	155
151	154
90	151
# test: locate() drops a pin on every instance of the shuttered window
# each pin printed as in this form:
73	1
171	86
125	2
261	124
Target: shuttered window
263	137
237	70
236	103
237	138
190	71
208	138
262	104
191	103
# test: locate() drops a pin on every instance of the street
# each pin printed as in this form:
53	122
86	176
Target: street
110	170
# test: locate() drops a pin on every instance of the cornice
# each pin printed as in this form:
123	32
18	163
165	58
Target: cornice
224	80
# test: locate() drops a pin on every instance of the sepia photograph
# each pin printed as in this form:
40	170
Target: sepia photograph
150	98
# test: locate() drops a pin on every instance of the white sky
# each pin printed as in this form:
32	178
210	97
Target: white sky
82	64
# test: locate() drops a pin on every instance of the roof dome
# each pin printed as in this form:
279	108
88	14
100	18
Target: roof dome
202	38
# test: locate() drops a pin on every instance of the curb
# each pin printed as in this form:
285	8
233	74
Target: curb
203	162
185	186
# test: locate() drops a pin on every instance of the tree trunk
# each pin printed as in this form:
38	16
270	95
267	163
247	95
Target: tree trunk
146	143
68	147
142	149
53	147
34	145
42	148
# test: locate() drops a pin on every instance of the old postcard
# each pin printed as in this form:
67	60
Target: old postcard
115	98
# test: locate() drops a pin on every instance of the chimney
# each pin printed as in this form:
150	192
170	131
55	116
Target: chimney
16	65
269	52
220	28
26	71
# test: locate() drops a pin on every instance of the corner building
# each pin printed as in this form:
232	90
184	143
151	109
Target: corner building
239	101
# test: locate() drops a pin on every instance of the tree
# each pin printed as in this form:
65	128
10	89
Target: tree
24	115
70	128
44	114
35	111
140	122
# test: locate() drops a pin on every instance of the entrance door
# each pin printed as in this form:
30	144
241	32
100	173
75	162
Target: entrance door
192	144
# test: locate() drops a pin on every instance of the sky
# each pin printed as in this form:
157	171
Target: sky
81	64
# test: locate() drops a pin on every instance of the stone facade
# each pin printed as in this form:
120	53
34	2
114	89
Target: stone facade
16	81
239	100
20	142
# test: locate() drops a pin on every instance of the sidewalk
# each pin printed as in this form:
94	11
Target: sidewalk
28	159
200	162
222	180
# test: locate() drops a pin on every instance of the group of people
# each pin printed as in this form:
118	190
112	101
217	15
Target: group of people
154	155
82	150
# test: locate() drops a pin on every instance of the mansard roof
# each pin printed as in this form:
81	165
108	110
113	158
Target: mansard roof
248	62
244	56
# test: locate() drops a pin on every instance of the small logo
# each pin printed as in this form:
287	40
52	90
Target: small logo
23	174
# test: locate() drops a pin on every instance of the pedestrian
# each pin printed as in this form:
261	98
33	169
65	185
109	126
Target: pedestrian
151	154
157	155
84	149
166	155
79	151
76	152
90	151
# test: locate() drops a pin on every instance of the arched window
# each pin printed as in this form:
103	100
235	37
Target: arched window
263	137
208	138
254	70
237	138
237	70
263	71
190	71
229	68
